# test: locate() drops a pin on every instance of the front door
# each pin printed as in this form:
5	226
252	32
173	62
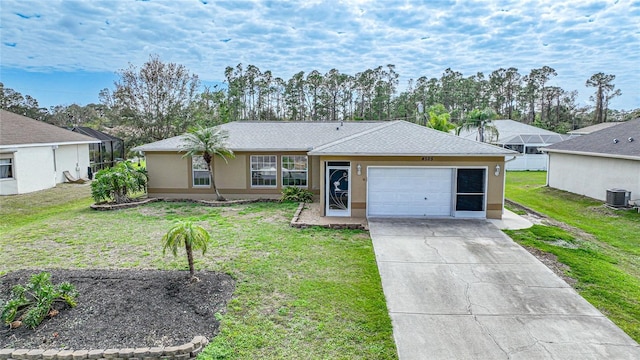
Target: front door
338	190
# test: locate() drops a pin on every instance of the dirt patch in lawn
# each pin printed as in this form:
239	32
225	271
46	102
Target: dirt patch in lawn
551	261
125	309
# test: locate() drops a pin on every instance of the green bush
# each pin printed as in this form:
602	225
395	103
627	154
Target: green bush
32	302
296	194
116	183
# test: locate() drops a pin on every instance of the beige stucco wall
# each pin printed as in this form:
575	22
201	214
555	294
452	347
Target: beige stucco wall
592	176
315	171
495	184
170	176
167	171
232	174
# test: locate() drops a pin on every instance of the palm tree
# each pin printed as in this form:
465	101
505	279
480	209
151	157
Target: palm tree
440	122
208	142
191	236
480	119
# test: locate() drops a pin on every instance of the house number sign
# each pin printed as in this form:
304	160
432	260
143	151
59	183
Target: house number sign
427	158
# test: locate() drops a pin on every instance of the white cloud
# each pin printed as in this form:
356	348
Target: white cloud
422	38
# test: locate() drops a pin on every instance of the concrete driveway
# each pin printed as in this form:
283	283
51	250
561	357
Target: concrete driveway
461	289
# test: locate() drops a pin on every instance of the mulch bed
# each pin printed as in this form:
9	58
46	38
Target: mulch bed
107	206
124	309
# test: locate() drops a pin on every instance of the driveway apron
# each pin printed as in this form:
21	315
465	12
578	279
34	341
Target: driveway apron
462	289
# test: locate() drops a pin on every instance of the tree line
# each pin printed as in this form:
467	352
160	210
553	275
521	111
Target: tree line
160	100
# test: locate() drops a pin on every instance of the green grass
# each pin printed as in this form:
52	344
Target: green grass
603	254
307	294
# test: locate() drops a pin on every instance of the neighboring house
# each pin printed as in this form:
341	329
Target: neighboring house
104	154
356	169
592	128
523	138
34	154
594	163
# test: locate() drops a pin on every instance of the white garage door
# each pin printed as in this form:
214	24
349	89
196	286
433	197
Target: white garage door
410	192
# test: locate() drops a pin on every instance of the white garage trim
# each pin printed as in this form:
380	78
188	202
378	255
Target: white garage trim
421	191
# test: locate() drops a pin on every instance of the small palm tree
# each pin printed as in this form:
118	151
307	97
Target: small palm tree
480	119
208	142
191	236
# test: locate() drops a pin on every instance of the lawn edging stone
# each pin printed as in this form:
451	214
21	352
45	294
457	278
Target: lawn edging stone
127	205
296	215
185	351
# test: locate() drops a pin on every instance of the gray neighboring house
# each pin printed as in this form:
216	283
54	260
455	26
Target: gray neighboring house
593	163
525	139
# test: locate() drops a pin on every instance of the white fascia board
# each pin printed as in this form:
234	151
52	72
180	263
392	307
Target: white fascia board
50	144
401	154
585	153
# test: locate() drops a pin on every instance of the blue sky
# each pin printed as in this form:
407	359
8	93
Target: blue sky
64	52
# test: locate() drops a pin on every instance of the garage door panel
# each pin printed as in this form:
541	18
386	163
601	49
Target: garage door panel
409	192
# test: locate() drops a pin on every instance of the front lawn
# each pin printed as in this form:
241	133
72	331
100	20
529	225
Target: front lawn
307	294
601	246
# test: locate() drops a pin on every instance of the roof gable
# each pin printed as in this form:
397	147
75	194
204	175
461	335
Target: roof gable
16	130
622	140
404	138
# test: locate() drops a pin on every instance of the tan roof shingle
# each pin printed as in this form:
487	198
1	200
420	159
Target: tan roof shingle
20	130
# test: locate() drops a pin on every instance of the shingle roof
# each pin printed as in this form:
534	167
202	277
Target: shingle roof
592	128
290	135
508	129
621	141
18	130
404	138
274	136
374	138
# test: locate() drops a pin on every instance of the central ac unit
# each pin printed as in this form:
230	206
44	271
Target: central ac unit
618	198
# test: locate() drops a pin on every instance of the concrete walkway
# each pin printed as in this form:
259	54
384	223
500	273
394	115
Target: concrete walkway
511	221
461	289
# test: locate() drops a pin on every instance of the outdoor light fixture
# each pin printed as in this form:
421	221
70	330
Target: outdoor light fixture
359	169
497	172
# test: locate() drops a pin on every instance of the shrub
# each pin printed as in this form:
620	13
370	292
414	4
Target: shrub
296	194
32	302
116	183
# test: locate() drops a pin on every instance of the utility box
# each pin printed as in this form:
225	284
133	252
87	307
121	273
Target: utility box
618	198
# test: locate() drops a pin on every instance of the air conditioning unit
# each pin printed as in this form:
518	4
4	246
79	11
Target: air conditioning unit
618	198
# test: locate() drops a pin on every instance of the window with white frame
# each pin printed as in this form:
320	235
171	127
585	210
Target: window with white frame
294	170
264	170
6	168
201	176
